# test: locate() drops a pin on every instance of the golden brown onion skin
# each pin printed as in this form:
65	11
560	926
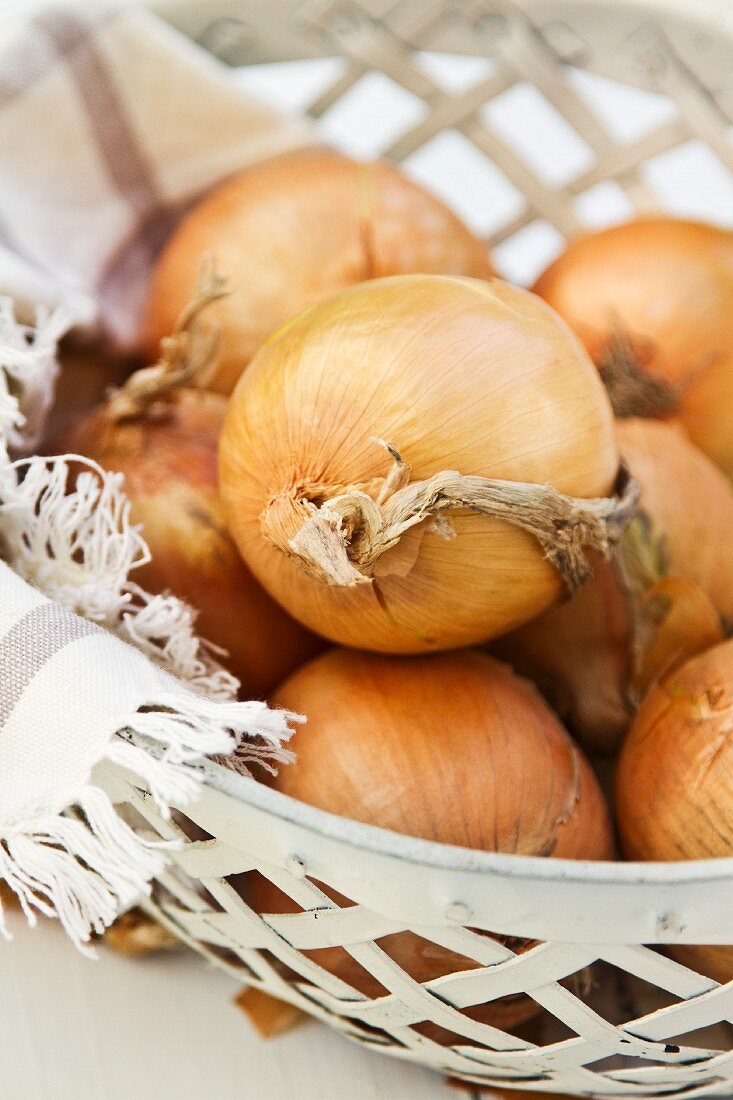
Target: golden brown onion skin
168	457
298	228
674	788
451	748
580	652
460	374
667	285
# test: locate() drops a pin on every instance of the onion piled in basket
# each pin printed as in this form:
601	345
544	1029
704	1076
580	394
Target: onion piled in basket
652	301
451	748
674	793
667	593
421	463
162	432
298	228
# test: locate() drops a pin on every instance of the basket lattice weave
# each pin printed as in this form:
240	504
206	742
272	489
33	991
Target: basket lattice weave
599	928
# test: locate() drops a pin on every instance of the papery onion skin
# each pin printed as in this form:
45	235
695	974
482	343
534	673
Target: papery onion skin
674	787
460	374
168	455
451	748
298	228
580	652
666	286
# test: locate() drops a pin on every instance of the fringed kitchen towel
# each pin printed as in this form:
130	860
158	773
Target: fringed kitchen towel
92	668
111	122
72	694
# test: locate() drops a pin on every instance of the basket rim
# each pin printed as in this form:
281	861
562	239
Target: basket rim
451	857
705	27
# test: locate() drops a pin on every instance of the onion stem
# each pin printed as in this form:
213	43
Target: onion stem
340	541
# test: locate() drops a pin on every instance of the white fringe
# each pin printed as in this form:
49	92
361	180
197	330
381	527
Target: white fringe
166	744
85	872
65	528
82	872
71	537
28	371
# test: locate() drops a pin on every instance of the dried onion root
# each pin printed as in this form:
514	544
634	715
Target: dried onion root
137	934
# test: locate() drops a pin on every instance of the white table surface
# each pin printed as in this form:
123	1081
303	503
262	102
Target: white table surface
165	1028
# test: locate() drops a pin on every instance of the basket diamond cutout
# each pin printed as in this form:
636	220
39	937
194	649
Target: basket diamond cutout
614	1019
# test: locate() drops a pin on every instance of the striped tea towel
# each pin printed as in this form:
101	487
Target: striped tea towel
111	122
72	694
92	667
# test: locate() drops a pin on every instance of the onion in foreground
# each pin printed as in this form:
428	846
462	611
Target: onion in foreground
400	464
667	593
298	228
674	791
451	748
652	301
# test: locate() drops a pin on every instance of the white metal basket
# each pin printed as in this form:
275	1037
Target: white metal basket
611	917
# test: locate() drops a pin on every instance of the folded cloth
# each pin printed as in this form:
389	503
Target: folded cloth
111	122
71	695
86	674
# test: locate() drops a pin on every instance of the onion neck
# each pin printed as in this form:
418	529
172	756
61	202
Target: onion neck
324	555
672	618
187	356
632	390
338	537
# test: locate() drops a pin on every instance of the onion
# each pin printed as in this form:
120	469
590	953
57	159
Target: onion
652	302
460	375
295	229
674	792
661	600
451	748
164	439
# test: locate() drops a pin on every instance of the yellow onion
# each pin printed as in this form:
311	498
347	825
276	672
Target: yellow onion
674	790
667	593
295	229
652	301
392	463
164	439
451	748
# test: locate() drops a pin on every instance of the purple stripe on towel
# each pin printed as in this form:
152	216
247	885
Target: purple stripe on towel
30	643
124	160
26	60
